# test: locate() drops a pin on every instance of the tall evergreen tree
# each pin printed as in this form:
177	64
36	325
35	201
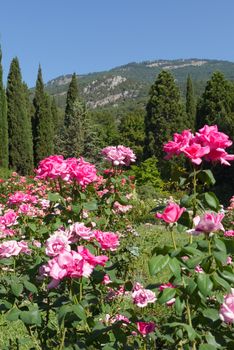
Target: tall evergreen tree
190	104
216	104
3	121
72	136
72	95
132	132
43	130
19	128
55	116
165	115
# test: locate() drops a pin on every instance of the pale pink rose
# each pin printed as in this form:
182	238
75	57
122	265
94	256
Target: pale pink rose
9	248
171	213
209	222
118	317
226	312
79	230
229	260
145	327
36	243
137	286
57	243
143	297
107	240
121	209
119	155
13	248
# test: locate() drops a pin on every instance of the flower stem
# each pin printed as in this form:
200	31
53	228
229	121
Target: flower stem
173	238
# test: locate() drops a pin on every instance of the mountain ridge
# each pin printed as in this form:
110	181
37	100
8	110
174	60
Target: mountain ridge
130	83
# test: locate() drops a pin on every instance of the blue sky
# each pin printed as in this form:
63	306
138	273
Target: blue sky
93	35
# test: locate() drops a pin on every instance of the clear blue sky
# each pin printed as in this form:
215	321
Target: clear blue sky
93	35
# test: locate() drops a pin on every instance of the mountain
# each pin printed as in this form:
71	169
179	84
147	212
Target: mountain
129	84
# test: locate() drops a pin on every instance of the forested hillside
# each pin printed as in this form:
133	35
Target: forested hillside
129	84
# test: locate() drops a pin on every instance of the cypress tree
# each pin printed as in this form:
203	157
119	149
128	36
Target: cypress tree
216	104
43	133
164	115
72	136
19	128
3	121
72	95
190	103
55	115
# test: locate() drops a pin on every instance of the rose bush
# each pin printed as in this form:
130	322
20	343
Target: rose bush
67	245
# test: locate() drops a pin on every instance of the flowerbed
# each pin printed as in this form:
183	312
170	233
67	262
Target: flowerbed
67	253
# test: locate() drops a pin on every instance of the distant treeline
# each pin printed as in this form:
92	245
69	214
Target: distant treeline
33	127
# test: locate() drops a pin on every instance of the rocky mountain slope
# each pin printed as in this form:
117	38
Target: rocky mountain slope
130	83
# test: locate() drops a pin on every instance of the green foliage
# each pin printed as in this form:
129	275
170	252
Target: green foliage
132	132
43	129
190	103
147	173
72	95
19	126
165	115
3	121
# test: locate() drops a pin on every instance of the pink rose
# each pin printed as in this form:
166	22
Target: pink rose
146	327
13	248
171	213
226	312
195	152
209	222
57	243
119	155
107	240
79	230
142	297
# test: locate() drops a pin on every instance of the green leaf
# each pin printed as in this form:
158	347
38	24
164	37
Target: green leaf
17	288
204	284
192	263
13	314
229	276
212	201
191	286
31	317
206	177
7	261
175	267
220	245
207	347
184	220
31	287
158	263
91	205
32	226
220	257
54	197
179	306
221	282
167	294
79	311
212	314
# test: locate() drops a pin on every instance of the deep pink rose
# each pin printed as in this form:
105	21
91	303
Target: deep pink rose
226	312
195	152
171	213
146	327
107	240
